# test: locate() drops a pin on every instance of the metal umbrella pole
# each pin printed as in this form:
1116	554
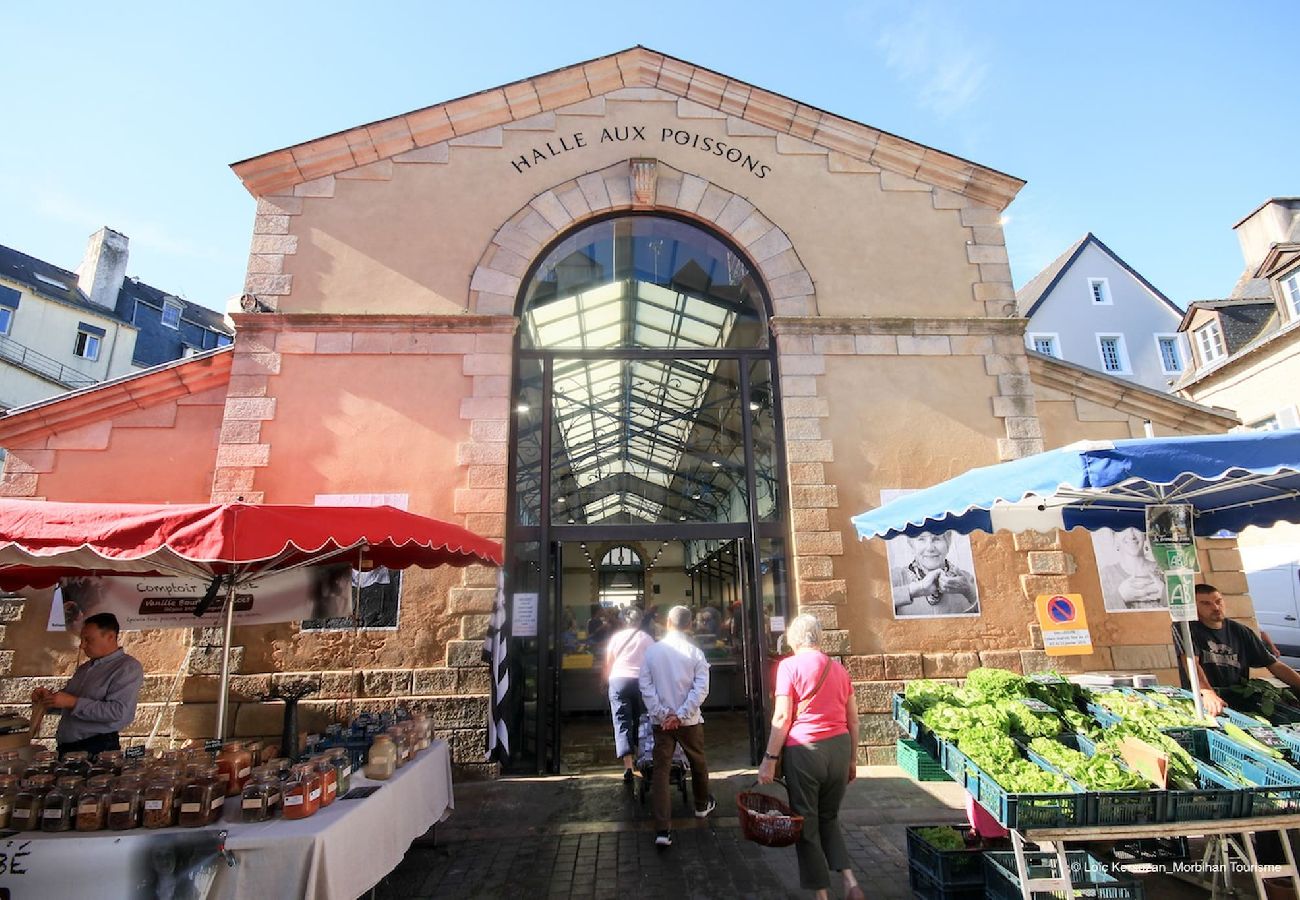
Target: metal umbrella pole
224	689
1193	675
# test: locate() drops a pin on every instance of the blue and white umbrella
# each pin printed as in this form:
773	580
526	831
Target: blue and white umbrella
1231	481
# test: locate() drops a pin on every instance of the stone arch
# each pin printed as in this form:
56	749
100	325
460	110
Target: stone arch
638	185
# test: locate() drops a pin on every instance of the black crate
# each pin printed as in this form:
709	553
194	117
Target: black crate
926	888
948	868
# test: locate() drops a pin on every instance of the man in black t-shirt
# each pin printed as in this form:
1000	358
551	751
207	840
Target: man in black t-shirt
1225	651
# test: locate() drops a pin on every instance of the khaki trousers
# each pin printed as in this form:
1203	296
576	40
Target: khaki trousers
691	739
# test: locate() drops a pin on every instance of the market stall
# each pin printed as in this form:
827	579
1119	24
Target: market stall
337	854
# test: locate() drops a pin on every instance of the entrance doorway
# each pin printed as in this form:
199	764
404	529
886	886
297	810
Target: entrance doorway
645	471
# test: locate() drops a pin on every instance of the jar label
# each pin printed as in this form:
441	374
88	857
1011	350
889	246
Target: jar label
245	772
347	770
22	813
330	787
315	795
53	814
119	807
153	804
293	800
216	803
191	807
253	804
88	807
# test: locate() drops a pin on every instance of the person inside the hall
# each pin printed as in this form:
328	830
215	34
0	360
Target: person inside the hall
1133	580
100	698
815	730
569	636
596	627
708	624
930	584
624	654
1225	651
674	682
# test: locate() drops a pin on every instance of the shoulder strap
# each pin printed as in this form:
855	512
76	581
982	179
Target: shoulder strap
803	704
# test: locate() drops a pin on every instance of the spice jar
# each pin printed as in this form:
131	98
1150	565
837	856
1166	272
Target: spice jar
77	762
92	803
110	759
382	760
201	797
424	731
329	778
281	766
301	792
234	765
400	743
8	791
58	805
26	815
342	768
125	802
45	758
12	763
160	802
261	797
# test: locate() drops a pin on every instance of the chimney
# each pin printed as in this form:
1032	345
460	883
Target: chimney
1276	221
103	267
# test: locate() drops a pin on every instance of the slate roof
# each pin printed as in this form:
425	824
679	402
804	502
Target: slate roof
24	269
1036	290
157	343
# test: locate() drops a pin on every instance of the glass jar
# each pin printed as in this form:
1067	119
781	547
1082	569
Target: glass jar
159	802
301	792
234	765
125	802
57	809
261	797
110	759
8	791
12	763
342	761
424	731
77	762
329	778
401	744
26	815
92	803
201	797
381	762
45	758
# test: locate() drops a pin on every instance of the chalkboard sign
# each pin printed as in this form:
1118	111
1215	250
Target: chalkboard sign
1036	705
213	745
136	752
358	792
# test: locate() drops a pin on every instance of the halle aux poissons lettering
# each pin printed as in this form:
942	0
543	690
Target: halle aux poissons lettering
633	133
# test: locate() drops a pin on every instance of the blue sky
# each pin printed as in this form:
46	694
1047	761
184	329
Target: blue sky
1155	125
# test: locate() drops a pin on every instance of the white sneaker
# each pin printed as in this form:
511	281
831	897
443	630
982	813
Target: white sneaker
664	839
704	813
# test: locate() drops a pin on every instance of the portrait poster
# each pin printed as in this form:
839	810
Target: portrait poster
932	575
1130	579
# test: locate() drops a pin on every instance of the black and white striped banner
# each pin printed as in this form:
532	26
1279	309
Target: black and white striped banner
495	648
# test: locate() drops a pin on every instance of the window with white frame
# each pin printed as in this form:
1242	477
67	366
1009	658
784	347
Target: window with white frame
1099	290
1171	355
9	299
88	341
1046	344
171	314
1291	294
1113	356
1209	342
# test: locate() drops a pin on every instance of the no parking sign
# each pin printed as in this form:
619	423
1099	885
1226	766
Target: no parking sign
1064	624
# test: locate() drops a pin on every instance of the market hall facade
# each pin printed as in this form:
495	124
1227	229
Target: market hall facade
662	333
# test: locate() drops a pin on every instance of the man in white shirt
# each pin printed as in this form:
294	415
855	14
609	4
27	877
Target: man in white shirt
674	682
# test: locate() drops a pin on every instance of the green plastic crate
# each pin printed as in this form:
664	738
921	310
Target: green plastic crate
913	760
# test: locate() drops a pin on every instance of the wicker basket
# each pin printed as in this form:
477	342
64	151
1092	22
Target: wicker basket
766	820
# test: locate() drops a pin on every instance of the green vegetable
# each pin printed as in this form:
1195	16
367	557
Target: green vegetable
942	838
1096	773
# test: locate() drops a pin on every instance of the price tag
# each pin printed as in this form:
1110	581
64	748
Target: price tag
1047	678
136	752
1267	737
213	745
1166	690
1036	705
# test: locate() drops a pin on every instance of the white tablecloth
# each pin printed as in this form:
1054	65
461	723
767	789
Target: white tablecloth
338	854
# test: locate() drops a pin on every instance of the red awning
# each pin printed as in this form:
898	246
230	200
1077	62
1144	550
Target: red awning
42	540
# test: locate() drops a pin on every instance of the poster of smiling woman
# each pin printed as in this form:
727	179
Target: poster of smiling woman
931	575
1130	579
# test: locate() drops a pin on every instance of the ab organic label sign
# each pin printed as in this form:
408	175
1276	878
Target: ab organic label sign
640	136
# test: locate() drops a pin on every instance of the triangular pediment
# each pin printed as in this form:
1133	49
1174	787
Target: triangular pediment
638	67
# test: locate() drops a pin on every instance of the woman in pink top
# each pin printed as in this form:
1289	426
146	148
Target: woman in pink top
815	722
623	655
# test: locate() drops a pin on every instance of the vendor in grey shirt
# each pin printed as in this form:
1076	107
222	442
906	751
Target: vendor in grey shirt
99	700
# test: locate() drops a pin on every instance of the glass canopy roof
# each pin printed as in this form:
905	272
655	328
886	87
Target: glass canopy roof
644	438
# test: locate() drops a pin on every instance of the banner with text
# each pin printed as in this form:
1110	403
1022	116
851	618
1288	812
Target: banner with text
311	592
135	866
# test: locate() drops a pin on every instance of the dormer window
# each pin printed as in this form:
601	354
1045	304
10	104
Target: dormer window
1046	344
1099	290
1209	342
171	314
1291	294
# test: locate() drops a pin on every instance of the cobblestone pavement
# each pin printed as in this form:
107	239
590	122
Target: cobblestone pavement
588	837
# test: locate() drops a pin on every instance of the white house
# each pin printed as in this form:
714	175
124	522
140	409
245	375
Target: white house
1091	308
